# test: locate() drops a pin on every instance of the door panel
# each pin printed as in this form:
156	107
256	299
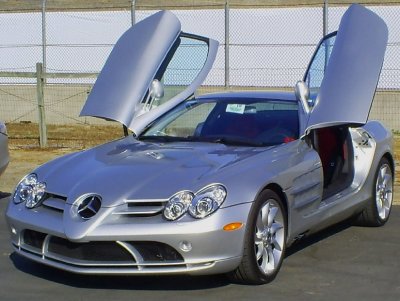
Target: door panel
307	188
153	49
130	68
349	71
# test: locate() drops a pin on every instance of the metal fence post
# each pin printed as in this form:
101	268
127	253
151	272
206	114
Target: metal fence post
133	12
325	32
44	40
40	102
227	66
325	18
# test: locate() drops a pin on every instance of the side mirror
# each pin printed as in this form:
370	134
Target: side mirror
156	89
303	94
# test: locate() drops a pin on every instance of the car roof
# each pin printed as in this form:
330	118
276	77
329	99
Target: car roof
270	95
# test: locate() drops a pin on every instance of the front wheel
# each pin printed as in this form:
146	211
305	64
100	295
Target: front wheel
378	209
265	241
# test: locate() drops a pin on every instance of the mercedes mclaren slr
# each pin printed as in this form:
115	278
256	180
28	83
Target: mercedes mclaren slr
218	183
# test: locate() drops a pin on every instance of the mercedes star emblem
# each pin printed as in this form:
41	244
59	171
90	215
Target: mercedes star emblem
89	206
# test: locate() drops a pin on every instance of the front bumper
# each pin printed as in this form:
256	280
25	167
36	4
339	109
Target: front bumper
129	245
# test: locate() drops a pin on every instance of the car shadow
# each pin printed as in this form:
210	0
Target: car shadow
4	195
308	241
164	283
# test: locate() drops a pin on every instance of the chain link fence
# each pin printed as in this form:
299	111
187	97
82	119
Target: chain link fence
261	47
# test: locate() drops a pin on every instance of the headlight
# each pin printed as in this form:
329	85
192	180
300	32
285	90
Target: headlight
207	201
178	205
29	190
199	205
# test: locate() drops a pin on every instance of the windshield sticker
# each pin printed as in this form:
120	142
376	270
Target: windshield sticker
235	108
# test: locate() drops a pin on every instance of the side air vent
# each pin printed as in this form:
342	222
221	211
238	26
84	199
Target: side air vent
142	208
54	202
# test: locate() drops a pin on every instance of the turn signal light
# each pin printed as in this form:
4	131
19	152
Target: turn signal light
233	226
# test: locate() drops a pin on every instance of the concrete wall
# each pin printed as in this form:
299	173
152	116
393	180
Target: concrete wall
386	108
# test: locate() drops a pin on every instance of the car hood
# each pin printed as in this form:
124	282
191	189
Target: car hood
128	169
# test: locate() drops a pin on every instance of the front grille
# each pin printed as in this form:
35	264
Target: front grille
136	208
135	254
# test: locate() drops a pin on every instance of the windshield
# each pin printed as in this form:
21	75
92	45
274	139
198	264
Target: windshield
253	122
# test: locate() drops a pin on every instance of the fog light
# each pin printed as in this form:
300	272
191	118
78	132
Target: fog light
13	231
233	226
185	246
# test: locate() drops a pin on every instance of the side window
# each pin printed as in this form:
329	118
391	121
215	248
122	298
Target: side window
320	60
182	65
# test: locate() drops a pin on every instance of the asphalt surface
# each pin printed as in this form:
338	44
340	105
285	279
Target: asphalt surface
342	263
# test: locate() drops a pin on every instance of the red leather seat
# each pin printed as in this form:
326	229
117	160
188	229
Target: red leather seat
330	150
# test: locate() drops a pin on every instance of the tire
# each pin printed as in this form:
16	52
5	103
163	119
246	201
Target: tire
377	211
265	241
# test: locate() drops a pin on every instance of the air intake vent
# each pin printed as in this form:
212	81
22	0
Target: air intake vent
93	251
54	202
134	254
142	208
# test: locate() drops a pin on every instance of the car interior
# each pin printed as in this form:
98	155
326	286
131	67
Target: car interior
264	126
334	147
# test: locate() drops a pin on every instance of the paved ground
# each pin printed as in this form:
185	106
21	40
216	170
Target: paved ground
342	263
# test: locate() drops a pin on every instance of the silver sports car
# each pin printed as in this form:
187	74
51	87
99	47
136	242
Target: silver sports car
4	155
221	183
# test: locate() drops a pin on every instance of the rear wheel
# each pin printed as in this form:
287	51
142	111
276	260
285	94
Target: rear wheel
378	209
265	241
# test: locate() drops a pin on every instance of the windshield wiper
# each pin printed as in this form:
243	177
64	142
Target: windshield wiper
233	141
163	138
239	141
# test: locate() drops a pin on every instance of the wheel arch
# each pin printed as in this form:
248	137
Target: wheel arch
279	191
388	156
